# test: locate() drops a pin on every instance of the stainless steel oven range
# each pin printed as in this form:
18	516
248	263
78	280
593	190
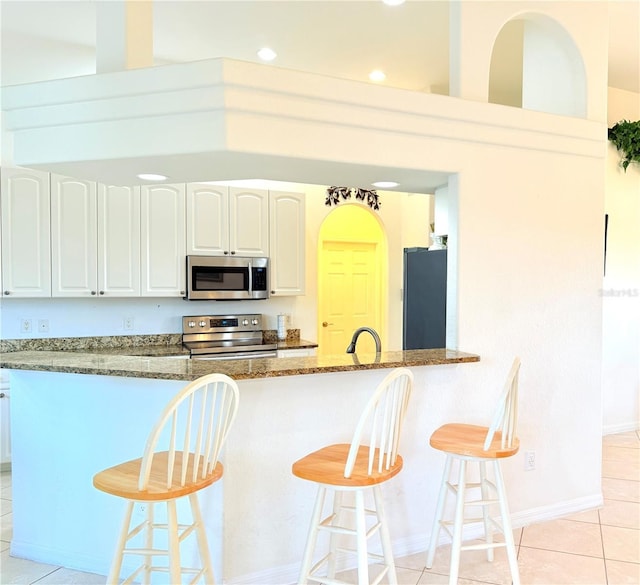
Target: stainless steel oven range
225	337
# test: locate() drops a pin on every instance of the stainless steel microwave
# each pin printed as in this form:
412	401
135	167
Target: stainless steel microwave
221	278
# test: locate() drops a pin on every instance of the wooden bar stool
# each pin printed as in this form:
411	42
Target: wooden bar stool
362	466
482	445
192	429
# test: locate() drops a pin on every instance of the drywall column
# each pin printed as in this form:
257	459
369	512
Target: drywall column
124	35
621	284
441	211
469	55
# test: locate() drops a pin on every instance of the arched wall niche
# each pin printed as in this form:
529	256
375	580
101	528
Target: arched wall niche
536	65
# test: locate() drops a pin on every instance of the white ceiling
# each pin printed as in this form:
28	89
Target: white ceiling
51	39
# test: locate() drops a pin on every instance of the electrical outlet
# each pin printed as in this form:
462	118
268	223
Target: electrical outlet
25	326
140	510
529	460
43	326
127	323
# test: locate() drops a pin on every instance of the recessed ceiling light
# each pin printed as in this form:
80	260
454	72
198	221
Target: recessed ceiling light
267	54
151	177
385	184
377	75
393	2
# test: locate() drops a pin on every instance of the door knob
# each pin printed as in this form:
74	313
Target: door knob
325	324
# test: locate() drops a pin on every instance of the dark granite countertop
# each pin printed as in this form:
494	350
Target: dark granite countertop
169	344
121	362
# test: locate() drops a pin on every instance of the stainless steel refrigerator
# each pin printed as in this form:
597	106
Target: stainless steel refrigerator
425	298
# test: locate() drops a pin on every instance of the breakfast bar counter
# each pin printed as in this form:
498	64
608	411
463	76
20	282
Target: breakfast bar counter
74	413
165	364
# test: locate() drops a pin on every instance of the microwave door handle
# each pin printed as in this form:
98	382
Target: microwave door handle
250	279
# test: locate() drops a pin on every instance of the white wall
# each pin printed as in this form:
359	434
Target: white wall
474	27
621	284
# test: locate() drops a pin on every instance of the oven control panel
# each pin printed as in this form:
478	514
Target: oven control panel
221	323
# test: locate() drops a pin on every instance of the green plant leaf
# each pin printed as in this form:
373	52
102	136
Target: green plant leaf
626	137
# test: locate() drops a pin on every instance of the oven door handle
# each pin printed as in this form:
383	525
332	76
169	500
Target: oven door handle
250	278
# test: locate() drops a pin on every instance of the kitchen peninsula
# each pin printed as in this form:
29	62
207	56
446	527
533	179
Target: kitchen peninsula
77	412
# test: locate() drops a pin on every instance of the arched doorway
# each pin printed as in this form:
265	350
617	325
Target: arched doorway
352	267
536	65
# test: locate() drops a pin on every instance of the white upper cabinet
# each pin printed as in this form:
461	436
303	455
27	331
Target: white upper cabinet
26	252
163	240
287	218
74	240
118	241
207	220
248	222
227	221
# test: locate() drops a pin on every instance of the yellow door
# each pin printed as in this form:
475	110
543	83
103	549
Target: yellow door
349	295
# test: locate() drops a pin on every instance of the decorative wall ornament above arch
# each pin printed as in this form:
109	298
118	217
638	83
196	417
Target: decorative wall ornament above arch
368	196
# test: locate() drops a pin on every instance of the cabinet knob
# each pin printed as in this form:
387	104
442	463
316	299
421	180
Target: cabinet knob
226	252
233	252
2	394
101	292
325	324
182	292
93	292
273	292
6	292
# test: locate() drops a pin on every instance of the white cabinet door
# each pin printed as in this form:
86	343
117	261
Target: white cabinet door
26	243
249	222
287	259
118	241
207	219
302	352
163	241
73	237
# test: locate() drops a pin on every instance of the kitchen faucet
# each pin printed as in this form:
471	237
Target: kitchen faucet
356	334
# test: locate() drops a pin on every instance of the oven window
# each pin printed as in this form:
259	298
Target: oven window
220	278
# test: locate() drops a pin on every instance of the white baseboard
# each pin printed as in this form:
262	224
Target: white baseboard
406	546
60	558
555	511
620	428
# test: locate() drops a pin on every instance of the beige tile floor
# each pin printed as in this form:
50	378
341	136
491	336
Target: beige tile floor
597	547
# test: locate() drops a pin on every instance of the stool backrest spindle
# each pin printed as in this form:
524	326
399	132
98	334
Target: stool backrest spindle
383	416
505	418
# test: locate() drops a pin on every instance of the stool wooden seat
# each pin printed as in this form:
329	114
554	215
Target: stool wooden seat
464	444
193	428
358	467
